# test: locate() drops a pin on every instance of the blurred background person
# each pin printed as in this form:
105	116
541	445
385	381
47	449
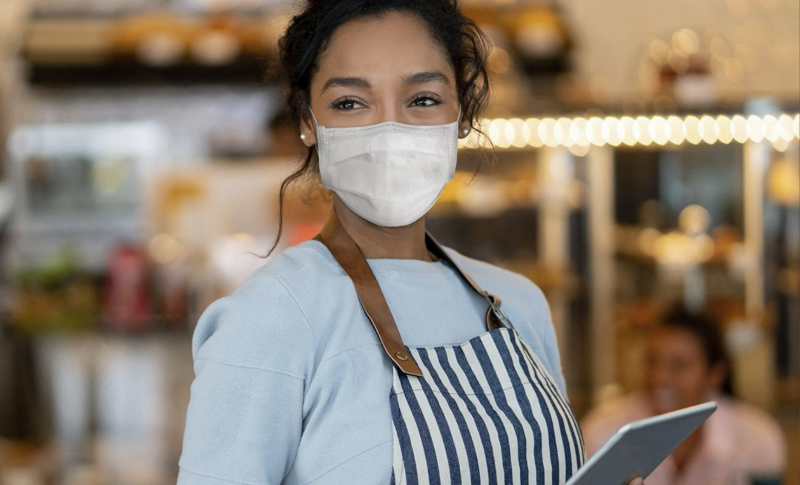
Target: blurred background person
686	364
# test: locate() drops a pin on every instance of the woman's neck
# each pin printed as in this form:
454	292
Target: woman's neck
405	242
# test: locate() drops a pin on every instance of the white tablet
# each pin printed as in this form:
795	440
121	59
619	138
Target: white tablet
639	447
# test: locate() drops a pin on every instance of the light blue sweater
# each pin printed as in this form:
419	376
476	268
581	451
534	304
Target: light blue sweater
292	384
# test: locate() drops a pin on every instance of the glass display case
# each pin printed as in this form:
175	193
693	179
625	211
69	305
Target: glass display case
82	186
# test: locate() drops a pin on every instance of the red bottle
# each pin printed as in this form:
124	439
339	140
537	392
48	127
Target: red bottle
127	295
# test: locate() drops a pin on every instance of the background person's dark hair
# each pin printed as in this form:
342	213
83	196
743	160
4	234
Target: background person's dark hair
309	32
707	331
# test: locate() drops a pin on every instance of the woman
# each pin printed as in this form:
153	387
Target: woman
686	364
372	354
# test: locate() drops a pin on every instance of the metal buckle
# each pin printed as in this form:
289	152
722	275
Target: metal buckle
501	316
494	306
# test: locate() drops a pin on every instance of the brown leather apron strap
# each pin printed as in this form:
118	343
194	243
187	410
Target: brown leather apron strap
349	256
352	260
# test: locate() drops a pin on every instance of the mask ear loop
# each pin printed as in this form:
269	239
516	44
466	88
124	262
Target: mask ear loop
316	125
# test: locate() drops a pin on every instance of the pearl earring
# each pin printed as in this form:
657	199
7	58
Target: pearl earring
303	136
465	131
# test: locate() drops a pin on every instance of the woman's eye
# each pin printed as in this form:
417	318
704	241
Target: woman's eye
423	101
346	104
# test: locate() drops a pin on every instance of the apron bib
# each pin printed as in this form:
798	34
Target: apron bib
483	412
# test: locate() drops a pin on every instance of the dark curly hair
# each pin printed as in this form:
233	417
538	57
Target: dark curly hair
706	331
309	32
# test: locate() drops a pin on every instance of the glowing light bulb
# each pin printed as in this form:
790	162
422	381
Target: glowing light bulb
521	134
610	131
506	133
739	128
494	131
561	132
772	130
594	131
509	133
708	129
677	130
533	127
546	132
641	130
660	130
692	127
626	130
786	129
755	128
724	129
578	132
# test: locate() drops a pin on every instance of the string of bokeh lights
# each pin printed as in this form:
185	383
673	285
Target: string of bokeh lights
576	133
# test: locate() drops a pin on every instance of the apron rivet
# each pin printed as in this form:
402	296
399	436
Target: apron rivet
401	355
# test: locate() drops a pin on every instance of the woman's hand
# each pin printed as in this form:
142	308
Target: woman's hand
637	481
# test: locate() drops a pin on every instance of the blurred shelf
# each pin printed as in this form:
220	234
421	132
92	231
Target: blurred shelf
155	327
126	74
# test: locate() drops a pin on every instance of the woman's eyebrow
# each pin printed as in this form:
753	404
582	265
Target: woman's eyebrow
425	77
346	82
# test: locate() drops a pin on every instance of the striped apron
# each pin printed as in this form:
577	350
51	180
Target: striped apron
483	412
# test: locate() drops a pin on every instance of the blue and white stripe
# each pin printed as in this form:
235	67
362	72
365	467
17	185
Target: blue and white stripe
485	411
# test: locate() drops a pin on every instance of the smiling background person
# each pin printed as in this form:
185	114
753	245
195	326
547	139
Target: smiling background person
686	364
372	354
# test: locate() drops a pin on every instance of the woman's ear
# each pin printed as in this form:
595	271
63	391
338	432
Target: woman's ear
308	132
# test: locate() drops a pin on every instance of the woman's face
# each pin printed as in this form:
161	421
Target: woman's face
677	373
380	69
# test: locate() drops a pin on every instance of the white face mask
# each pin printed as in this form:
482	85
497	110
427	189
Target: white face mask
390	173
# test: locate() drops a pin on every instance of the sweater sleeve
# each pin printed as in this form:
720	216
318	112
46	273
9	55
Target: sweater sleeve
252	351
